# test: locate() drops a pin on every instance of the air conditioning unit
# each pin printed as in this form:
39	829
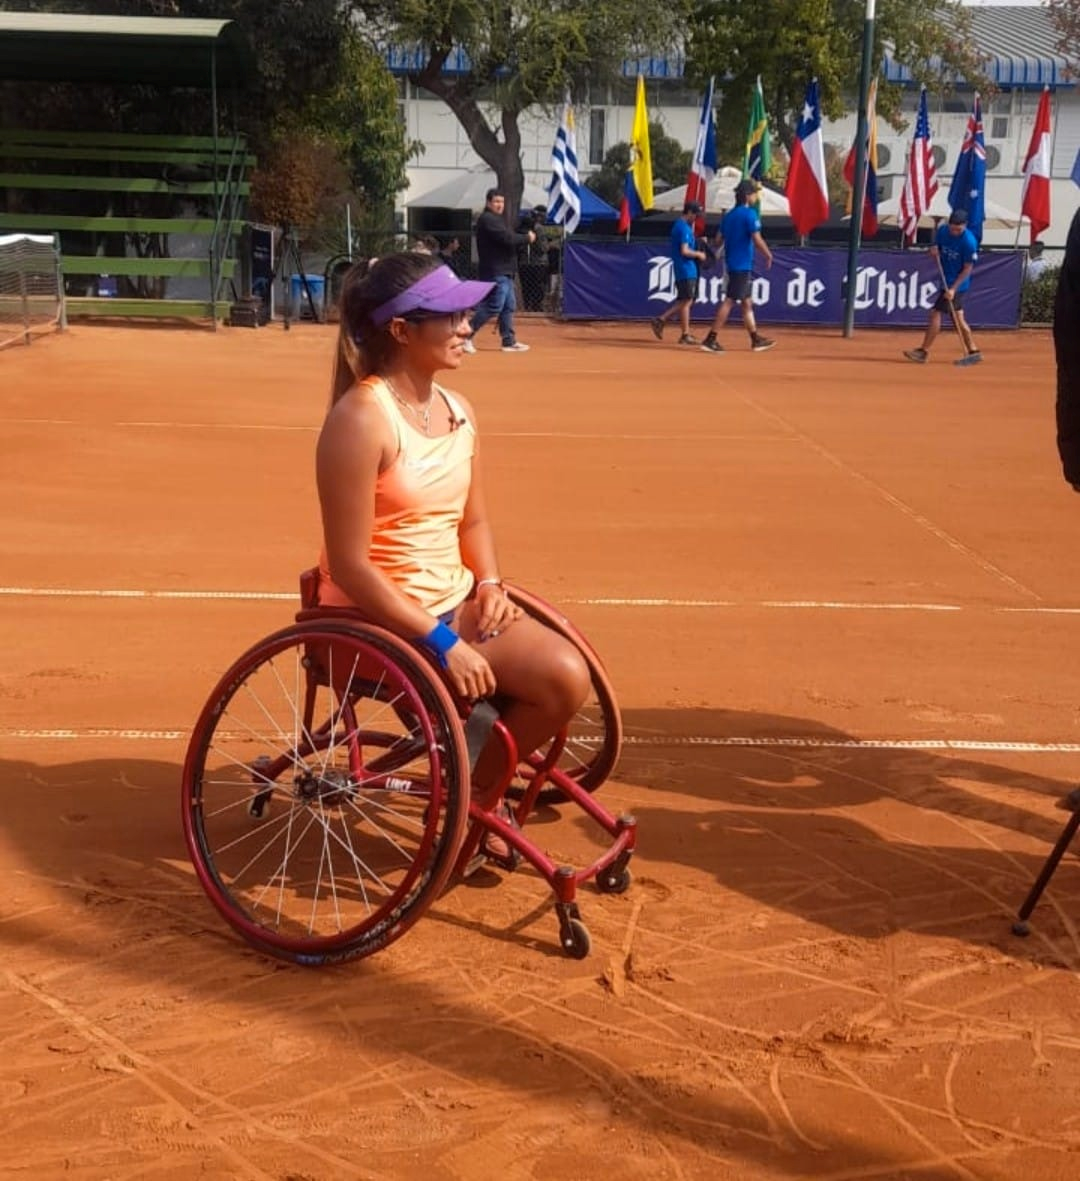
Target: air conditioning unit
893	154
996	154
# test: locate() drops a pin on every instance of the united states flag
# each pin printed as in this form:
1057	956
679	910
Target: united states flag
920	184
564	189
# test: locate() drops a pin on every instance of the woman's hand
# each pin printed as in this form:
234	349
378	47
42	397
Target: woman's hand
470	673
496	611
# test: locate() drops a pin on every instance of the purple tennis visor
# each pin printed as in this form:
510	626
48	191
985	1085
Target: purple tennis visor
440	292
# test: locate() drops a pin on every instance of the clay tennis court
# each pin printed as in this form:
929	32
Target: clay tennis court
840	598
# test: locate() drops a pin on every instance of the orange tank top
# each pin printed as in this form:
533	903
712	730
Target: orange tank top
419	504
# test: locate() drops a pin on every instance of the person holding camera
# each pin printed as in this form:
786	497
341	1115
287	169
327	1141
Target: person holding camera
496	251
448	252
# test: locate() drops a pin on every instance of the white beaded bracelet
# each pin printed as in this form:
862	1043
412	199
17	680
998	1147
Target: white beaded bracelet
489	582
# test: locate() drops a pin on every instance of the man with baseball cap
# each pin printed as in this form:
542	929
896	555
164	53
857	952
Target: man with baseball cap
957	250
685	257
741	234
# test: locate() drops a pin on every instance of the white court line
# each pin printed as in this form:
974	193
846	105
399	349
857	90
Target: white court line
947	744
214	426
777	604
55	592
644	436
861	743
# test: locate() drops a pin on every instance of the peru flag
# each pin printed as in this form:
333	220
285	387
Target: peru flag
807	190
1036	199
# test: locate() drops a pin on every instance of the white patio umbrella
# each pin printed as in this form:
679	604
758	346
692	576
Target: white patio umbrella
720	196
997	216
467	190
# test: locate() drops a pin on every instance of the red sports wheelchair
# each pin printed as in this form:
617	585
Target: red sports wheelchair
326	788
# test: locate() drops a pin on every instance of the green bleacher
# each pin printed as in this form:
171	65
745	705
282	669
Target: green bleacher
139	187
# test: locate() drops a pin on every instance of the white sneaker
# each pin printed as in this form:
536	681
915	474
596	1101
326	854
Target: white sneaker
468	347
517	347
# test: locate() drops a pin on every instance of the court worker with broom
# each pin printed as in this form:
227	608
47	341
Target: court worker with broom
956	251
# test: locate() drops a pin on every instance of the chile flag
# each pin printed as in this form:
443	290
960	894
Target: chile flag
807	189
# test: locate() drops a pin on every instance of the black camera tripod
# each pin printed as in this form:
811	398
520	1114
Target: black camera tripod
290	260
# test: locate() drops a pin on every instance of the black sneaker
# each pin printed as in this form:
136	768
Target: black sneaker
686	338
657	327
762	344
712	345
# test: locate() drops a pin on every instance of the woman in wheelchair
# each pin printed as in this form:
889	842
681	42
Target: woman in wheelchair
407	541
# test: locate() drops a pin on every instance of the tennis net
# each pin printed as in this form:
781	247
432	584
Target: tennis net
31	287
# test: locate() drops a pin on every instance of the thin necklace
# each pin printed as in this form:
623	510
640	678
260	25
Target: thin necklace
424	418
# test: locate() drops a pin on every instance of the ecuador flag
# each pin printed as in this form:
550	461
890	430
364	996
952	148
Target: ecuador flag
637	185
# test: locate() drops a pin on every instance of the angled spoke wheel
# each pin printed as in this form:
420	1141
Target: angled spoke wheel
325	792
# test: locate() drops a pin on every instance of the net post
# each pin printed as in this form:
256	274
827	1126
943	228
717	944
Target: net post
61	294
24	298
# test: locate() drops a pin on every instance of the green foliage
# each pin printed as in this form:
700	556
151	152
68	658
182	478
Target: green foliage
361	114
315	80
670	161
343	145
522	53
1065	16
1037	298
527	52
788	42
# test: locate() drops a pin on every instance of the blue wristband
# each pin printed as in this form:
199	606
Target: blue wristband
440	640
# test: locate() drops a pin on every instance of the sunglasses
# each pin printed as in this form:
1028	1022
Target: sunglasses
453	319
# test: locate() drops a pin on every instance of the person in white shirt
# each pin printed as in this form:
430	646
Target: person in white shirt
1036	262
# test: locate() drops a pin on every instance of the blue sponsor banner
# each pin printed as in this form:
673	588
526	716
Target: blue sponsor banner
896	289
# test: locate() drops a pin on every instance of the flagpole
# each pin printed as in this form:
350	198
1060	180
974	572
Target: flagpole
859	194
1020	219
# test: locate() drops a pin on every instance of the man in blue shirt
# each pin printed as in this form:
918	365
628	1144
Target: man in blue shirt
957	251
741	233
685	257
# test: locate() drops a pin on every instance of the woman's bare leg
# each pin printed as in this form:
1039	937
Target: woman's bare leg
543	674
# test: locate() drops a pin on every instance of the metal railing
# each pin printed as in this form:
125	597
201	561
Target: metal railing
227	216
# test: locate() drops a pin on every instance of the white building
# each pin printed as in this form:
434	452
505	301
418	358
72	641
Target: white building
1019	46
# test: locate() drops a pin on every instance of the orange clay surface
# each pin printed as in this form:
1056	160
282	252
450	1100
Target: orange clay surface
813	974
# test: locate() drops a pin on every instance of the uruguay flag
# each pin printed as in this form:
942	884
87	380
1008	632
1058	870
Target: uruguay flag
968	188
564	188
807	190
703	164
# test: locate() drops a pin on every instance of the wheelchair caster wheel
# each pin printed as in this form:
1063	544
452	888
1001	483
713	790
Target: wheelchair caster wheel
615	879
574	938
1021	928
